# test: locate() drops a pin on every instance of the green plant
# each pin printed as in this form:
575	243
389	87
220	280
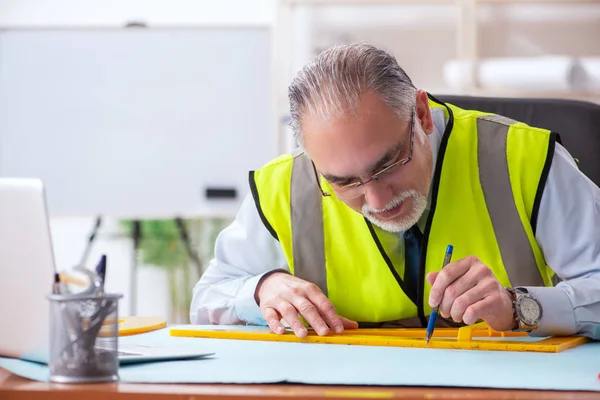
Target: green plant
161	246
160	243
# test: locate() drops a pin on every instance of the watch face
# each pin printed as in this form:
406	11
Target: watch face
529	310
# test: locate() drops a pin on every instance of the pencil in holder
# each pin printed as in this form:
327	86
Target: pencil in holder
84	338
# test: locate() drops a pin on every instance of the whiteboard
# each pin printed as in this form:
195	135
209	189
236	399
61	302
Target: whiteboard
136	122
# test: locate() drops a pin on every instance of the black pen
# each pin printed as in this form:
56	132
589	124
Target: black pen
56	284
101	272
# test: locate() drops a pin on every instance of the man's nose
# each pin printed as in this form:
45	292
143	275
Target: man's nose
378	195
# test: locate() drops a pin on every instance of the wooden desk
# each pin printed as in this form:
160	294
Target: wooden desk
13	387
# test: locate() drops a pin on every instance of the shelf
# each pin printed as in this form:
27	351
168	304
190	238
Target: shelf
466	39
418	2
364	2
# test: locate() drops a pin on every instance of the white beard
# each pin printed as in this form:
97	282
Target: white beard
420	203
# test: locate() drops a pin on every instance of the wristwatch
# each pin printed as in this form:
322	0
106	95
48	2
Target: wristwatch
527	310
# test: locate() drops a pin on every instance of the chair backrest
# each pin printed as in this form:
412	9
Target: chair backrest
577	122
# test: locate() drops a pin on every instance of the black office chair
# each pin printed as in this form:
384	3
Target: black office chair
577	122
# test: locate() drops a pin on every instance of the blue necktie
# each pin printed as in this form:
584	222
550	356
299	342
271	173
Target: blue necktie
412	253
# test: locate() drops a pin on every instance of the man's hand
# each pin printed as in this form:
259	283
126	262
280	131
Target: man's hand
281	295
467	290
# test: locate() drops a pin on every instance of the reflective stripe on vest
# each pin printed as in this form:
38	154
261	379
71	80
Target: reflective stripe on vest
307	224
516	251
517	255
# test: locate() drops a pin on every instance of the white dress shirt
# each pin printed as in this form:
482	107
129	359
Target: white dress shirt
568	232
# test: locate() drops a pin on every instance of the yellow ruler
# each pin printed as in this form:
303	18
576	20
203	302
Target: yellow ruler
475	337
134	325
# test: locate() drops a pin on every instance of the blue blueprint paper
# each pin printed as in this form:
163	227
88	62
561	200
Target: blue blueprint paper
238	361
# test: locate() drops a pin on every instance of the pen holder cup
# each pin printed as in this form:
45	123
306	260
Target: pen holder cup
84	338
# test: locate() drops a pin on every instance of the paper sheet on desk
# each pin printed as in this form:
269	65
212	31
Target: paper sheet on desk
239	361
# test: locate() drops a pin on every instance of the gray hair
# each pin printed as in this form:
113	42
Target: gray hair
332	83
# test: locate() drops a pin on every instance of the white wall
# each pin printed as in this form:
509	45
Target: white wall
116	13
70	233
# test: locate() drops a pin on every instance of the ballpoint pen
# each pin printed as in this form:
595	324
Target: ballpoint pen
101	273
434	312
56	284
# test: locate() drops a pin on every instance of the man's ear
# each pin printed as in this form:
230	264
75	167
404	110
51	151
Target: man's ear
424	112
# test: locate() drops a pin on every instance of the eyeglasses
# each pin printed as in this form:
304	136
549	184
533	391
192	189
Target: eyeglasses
356	189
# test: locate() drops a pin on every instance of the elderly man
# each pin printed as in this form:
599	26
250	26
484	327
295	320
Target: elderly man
351	229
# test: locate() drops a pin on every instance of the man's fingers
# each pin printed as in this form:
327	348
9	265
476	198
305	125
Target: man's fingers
290	315
455	291
482	308
445	277
291	297
465	300
431	277
349	324
273	320
326	310
310	313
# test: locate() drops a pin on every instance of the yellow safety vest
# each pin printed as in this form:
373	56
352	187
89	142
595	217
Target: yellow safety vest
488	181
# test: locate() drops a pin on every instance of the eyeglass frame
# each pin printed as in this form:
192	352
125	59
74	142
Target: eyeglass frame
375	177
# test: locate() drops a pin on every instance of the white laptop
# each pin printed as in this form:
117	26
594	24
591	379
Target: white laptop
26	275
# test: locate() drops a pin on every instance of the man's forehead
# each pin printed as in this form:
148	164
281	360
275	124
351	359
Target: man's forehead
367	109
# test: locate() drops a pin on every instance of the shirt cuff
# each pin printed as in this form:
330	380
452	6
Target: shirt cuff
558	314
245	304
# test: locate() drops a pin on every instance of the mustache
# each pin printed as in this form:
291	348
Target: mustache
399	198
